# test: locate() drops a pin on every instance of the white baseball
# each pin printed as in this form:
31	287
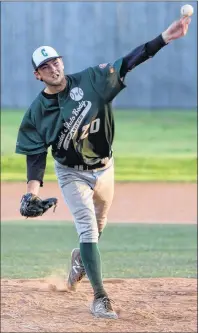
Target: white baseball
187	10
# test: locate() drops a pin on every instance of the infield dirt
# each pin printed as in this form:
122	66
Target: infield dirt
133	202
143	305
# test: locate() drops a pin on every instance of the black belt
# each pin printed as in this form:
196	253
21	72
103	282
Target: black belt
85	167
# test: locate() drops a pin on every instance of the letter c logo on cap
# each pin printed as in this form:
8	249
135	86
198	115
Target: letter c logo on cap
43	52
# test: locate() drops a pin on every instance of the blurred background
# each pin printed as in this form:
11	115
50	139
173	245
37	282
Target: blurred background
156	119
90	33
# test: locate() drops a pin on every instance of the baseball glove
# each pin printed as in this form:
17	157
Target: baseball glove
33	206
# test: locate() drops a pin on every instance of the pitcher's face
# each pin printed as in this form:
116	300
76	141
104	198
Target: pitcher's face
51	73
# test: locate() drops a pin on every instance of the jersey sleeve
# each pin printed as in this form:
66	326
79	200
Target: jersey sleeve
36	165
141	54
29	141
106	81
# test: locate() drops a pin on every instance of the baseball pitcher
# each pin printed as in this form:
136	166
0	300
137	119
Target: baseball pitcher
73	116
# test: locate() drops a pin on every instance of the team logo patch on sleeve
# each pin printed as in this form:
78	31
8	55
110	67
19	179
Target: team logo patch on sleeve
103	65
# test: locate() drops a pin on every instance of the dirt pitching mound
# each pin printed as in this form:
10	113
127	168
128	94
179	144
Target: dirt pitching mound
143	305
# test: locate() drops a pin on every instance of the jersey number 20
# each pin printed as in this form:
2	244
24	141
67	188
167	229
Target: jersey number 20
93	127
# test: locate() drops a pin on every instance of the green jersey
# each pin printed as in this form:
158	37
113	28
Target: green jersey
78	122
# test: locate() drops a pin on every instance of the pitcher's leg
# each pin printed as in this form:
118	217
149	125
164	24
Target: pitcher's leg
103	197
79	198
78	195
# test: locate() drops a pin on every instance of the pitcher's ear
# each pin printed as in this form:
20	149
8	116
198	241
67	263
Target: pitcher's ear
37	75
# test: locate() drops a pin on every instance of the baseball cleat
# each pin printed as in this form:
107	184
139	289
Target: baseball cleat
102	308
77	271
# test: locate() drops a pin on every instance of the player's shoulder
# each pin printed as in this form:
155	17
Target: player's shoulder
78	75
103	66
36	103
100	68
33	109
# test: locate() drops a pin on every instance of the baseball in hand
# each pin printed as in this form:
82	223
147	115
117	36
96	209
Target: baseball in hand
186	10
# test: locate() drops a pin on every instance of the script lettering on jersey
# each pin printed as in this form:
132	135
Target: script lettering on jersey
71	126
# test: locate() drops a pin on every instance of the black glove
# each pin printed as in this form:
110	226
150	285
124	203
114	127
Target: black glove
33	206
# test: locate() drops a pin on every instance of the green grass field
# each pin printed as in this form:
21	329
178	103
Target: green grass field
148	146
32	249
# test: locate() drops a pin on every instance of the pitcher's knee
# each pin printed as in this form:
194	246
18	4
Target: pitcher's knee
101	223
86	226
89	236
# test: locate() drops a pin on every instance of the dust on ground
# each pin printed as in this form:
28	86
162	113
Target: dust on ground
143	305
